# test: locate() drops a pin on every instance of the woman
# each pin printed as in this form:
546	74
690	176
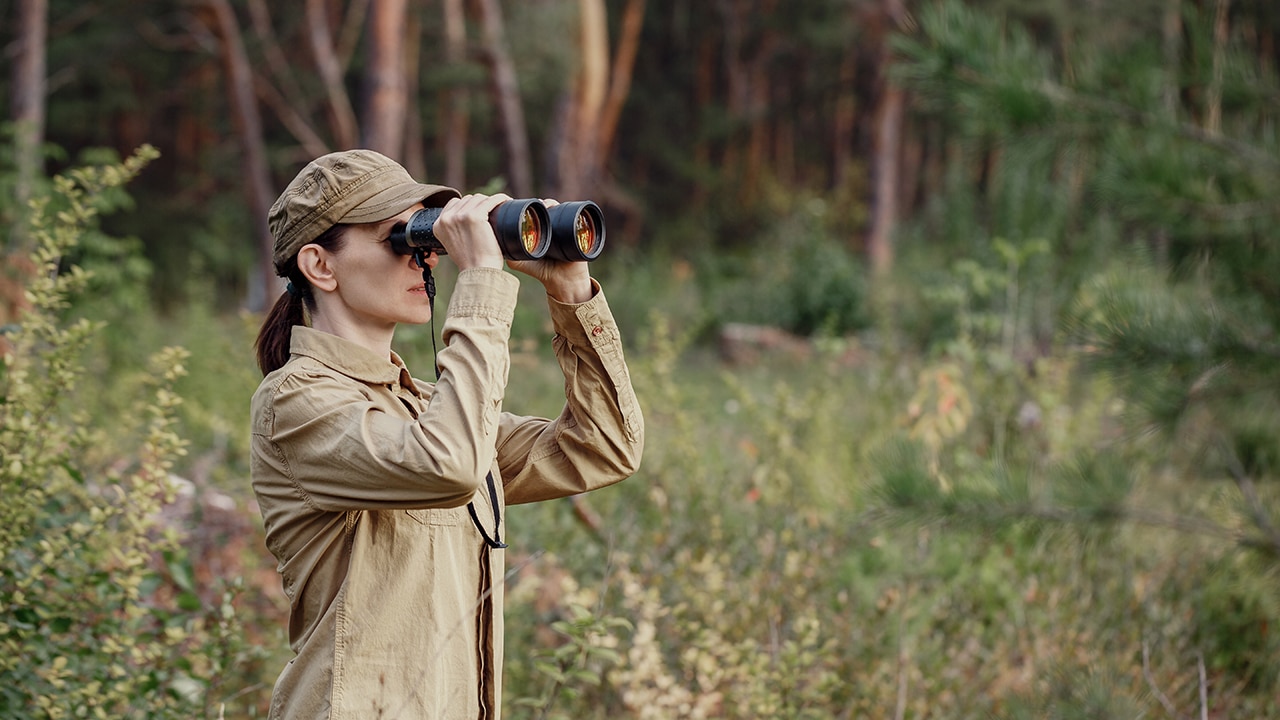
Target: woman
383	496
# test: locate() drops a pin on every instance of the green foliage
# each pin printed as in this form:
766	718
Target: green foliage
1079	695
1100	150
797	276
1234	609
772	558
1186	329
88	624
585	656
1002	70
944	518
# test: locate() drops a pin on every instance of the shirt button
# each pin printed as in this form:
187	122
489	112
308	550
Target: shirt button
597	331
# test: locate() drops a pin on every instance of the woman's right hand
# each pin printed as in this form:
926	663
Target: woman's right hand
464	230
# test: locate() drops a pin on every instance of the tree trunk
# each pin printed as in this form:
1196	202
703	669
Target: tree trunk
279	89
762	129
704	97
385	103
454	100
888	143
248	123
884	205
577	156
329	67
506	90
1171	37
737	79
845	120
1170	41
28	97
1213	120
624	63
415	153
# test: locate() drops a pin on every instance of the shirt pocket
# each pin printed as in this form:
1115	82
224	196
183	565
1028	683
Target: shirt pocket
437	516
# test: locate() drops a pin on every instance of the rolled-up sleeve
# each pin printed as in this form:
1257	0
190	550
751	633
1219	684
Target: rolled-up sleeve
598	438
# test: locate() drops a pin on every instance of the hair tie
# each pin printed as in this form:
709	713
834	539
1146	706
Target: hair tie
293	290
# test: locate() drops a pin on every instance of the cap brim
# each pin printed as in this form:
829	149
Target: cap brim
396	199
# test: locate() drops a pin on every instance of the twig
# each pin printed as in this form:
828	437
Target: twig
1204	688
1151	683
588	517
900	709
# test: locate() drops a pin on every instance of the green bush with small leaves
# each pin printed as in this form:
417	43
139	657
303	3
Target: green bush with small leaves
91	625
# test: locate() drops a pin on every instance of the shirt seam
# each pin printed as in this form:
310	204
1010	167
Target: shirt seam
307	500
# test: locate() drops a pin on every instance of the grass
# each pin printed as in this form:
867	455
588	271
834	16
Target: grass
755	566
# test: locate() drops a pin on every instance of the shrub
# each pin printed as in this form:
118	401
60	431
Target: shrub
89	625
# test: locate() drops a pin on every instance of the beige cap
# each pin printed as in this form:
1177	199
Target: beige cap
352	186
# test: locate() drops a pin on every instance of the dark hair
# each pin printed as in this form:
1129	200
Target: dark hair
272	345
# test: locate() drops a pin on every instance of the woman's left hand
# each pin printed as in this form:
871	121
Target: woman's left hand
568	282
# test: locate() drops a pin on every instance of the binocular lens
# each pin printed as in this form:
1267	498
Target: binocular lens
526	230
521	227
530	232
584	230
577	230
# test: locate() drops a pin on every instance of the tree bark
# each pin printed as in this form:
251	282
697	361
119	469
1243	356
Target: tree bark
1171	32
704	97
888	143
278	88
624	63
845	120
506	90
1213	120
329	67
737	77
385	103
1170	41
29	87
455	100
248	123
577	155
415	154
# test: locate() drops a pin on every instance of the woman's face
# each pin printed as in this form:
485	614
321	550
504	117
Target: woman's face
377	286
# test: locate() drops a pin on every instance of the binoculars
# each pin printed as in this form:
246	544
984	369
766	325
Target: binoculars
526	230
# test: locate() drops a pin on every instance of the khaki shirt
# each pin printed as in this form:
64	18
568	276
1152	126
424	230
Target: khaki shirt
363	476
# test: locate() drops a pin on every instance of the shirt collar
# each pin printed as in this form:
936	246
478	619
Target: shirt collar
348	358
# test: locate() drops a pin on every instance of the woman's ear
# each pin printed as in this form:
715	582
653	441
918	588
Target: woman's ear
314	262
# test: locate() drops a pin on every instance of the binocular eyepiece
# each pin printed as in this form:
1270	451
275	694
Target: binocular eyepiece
526	230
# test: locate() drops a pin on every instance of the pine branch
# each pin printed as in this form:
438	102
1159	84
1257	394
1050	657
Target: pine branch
961	49
1065	96
1270	542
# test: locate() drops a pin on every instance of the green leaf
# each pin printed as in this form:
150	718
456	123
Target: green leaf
189	601
551	671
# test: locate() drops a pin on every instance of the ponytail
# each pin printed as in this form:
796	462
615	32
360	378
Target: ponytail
291	307
277	330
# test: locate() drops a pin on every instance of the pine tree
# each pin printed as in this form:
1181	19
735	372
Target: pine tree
1186	309
1146	151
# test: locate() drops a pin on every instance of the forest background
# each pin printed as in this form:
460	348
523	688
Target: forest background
954	325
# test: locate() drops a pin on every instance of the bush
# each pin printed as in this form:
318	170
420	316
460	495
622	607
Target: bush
800	278
90	624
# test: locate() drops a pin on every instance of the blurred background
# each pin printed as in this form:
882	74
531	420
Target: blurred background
954	324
